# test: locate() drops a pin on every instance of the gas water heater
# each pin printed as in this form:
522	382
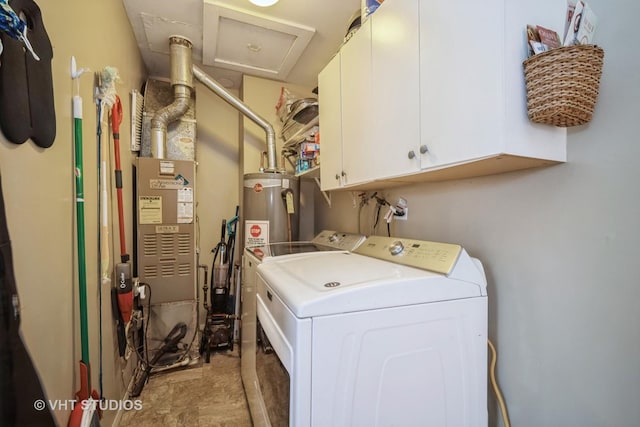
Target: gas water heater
271	200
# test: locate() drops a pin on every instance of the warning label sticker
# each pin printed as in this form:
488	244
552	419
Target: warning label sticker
256	233
150	209
185	213
185	195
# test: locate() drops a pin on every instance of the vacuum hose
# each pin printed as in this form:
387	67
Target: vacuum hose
170	343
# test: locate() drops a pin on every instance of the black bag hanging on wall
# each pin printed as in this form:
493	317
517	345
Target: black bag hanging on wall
27	108
20	389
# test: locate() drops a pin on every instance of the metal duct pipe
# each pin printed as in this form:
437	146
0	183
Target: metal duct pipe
219	90
182	82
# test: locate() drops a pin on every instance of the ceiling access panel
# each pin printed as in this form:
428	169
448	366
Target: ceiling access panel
251	43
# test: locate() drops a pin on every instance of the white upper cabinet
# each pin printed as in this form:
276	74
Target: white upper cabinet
461	106
329	96
357	109
433	90
395	94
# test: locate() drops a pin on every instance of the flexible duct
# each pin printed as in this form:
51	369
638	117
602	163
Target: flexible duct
244	109
182	82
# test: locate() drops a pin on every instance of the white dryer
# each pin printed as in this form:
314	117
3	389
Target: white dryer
392	334
326	241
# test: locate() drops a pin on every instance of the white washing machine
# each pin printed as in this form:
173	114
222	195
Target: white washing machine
325	242
394	334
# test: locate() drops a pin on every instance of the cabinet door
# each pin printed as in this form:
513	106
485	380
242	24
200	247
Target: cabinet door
460	79
395	91
357	119
330	106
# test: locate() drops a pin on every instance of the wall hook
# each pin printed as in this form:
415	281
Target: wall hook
75	73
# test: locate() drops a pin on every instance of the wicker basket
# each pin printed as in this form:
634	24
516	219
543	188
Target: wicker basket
562	84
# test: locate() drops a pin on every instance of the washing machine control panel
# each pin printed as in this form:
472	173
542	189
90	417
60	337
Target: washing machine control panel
396	248
423	254
339	240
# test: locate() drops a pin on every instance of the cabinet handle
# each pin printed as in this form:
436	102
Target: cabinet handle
423	149
411	154
337	176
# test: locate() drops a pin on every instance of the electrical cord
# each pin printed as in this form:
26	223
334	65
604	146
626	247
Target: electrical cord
359	214
146	325
494	385
144	358
364	200
376	218
146	344
380	202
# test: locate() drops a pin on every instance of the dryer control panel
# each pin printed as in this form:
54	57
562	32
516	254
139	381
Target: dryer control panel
423	254
339	240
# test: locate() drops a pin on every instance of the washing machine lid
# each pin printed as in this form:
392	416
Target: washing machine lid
326	240
343	282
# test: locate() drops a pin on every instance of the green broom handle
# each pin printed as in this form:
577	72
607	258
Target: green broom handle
82	273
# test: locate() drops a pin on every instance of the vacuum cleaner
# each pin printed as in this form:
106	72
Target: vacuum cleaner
218	329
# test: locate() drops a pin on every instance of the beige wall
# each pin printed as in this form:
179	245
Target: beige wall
39	194
217	168
40	197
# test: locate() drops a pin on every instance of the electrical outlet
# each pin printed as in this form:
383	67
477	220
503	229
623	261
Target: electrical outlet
403	217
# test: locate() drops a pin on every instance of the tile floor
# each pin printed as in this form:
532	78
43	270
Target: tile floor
202	395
